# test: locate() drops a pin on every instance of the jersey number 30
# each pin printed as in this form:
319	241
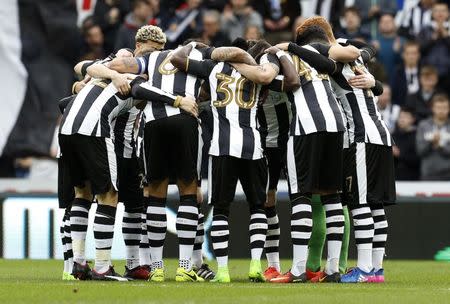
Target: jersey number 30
224	81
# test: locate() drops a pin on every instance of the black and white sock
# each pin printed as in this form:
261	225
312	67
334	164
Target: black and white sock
364	230
144	247
79	218
156	229
197	256
63	241
187	220
272	244
131	231
380	236
258	231
335	223
219	237
301	228
68	241
103	234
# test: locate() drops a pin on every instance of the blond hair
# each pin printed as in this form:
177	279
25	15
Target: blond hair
151	33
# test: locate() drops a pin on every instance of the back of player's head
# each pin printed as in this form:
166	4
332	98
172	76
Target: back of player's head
309	34
151	33
317	21
257	50
240	43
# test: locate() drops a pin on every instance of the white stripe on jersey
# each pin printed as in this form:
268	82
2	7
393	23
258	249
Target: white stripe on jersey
66	128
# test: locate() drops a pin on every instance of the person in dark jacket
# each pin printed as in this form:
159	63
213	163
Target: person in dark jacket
420	101
212	34
407	162
406	76
141	14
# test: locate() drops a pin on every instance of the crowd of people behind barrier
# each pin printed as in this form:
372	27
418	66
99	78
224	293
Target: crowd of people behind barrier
411	37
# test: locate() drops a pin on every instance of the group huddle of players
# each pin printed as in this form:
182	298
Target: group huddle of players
306	108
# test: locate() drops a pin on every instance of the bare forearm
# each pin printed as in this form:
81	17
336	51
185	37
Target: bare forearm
101	71
179	58
232	54
344	54
291	79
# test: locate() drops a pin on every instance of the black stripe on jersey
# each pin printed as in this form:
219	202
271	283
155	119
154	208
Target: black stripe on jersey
66	112
334	106
372	111
313	105
179	83
263	128
198	84
106	110
157	77
282	113
119	133
224	131
248	145
360	130
91	97
95	129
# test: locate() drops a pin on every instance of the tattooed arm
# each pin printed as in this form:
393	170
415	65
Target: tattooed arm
232	54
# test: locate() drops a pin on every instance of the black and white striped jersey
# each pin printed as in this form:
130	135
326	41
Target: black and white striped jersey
92	111
364	121
314	106
163	75
234	101
126	128
274	118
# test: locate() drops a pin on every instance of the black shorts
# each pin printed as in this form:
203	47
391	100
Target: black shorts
170	148
368	175
224	173
90	159
276	162
66	191
130	182
314	163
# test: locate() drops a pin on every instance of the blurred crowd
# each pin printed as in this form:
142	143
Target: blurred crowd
411	37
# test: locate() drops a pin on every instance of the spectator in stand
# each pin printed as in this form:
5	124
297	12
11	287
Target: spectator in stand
388	44
141	14
187	22
388	110
109	15
420	101
278	15
93	42
237	16
406	76
252	32
212	34
371	10
435	43
217	5
407	162
329	9
433	141
352	25
412	20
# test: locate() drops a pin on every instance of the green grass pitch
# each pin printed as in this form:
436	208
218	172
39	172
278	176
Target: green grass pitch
34	282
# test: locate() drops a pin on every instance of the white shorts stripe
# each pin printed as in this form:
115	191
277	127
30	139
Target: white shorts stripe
361	172
112	162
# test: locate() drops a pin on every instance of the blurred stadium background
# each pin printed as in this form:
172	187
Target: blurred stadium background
40	41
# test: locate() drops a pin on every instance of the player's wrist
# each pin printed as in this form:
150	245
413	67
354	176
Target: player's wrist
74	87
177	101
